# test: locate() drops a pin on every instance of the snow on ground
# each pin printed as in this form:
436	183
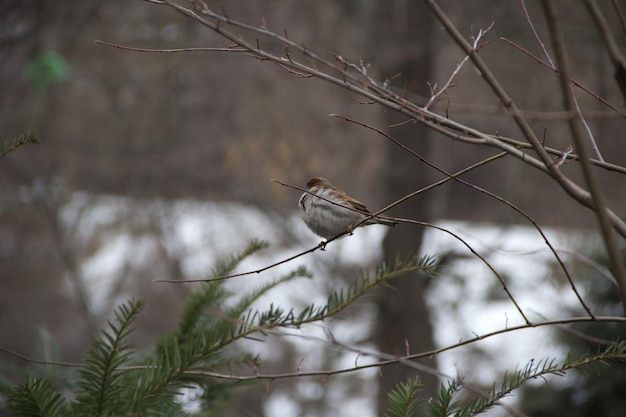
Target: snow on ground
461	299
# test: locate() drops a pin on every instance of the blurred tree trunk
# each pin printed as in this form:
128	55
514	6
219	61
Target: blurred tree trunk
402	32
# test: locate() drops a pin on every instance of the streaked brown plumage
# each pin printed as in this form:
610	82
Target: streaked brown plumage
330	220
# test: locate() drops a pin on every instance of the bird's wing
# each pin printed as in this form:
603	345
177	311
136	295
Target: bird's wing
357	204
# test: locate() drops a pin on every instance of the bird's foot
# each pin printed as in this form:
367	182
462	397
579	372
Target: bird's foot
322	245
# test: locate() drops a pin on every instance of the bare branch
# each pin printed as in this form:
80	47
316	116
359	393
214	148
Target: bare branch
599	201
576	83
427	354
40	361
135	49
611	46
256	271
355	78
620	14
421	223
492	195
574	190
535	34
575	108
435	95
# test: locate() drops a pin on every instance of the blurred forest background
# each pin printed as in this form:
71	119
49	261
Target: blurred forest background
208	126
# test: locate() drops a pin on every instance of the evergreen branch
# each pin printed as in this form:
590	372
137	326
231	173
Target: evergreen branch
181	355
24	138
443	405
166	374
201	336
444	400
248	318
37	398
161	380
216	330
100	380
403	399
276	316
226	267
196	313
340	300
245	302
404	359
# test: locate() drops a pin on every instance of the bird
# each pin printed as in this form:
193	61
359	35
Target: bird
329	220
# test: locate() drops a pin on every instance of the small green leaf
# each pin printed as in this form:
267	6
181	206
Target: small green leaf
46	69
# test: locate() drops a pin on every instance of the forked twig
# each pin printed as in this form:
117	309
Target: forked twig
435	95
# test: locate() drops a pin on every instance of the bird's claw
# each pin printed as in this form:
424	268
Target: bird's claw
322	245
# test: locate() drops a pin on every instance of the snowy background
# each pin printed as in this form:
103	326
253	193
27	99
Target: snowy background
465	300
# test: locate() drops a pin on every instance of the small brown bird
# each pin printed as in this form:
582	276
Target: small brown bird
330	220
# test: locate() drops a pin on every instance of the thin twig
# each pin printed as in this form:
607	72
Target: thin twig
576	83
620	14
498	110
574	190
421	223
490	194
425	354
157	50
256	271
599	201
380	93
442	90
332	341
323	244
353	80
611	45
535	34
370	89
580	335
575	109
40	361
